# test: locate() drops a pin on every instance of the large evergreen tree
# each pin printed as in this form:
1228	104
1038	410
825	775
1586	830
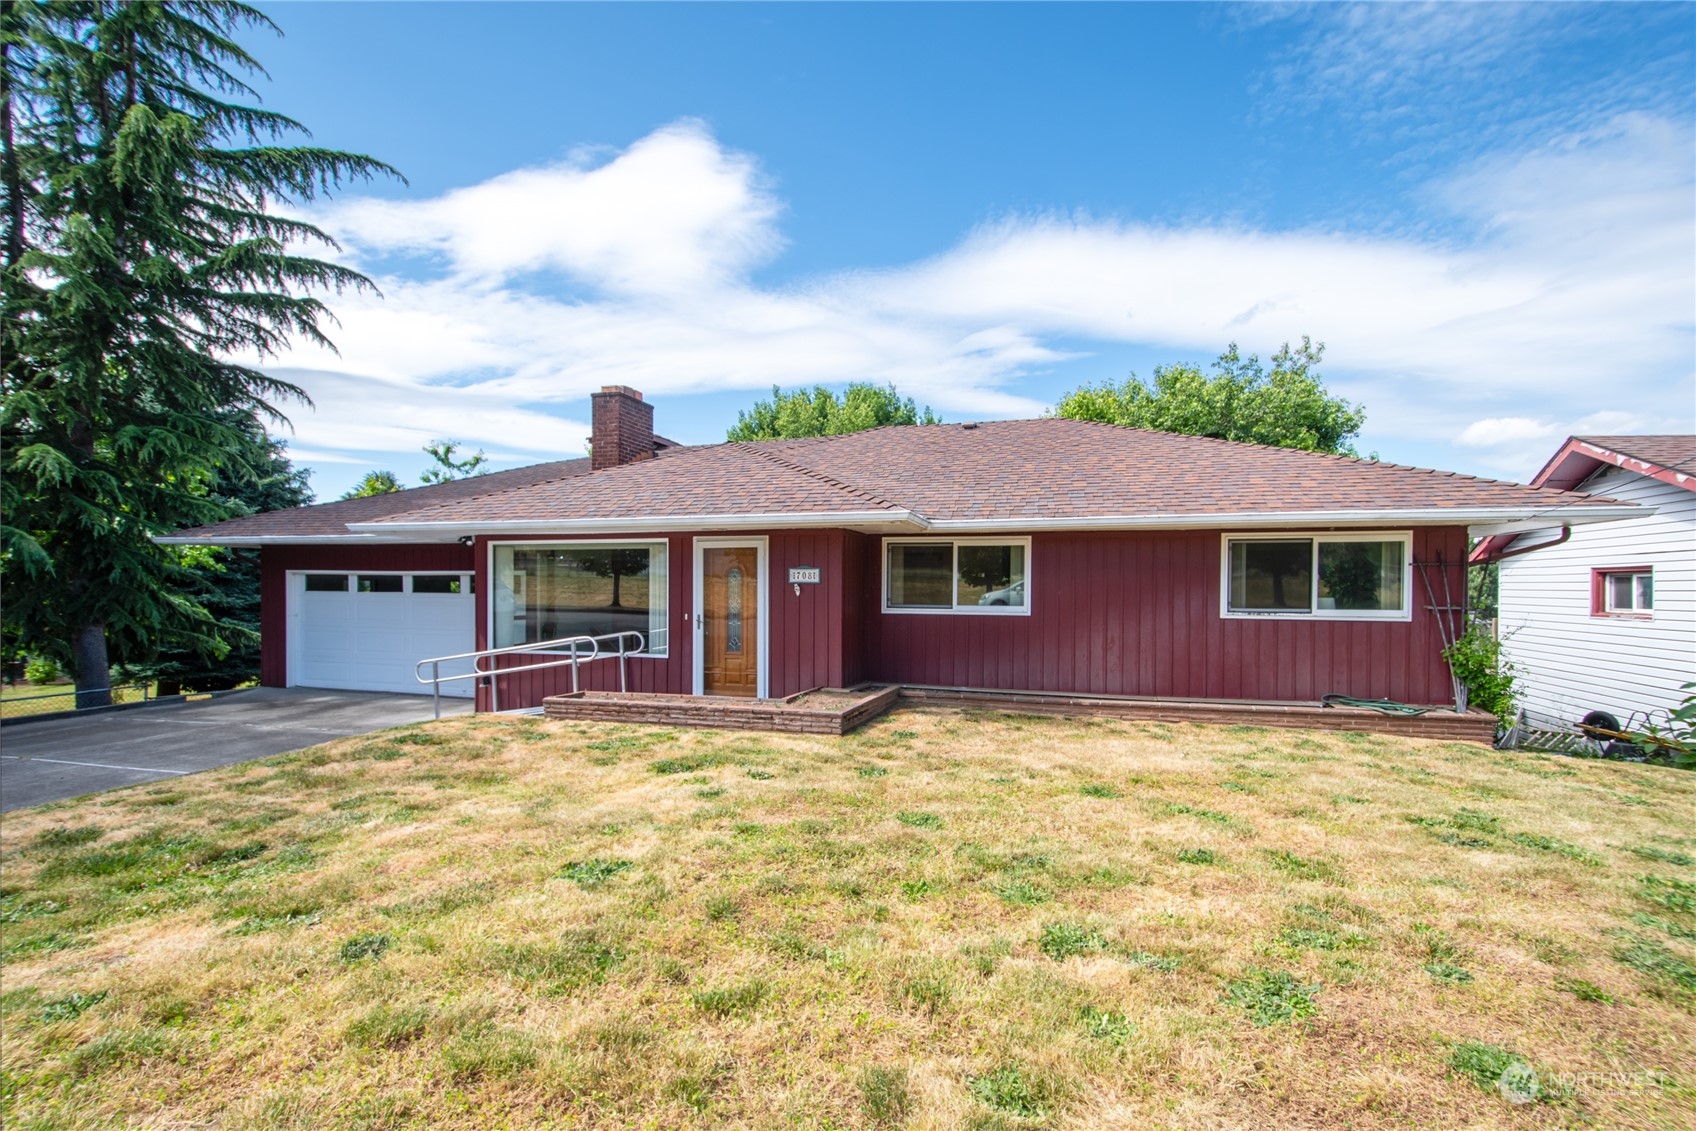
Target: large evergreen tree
1287	406
227	578
143	250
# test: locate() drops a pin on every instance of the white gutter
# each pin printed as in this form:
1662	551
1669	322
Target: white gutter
255	541
1423	516
1482	522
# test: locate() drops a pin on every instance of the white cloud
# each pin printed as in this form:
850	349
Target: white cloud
1500	431
673	213
1570	292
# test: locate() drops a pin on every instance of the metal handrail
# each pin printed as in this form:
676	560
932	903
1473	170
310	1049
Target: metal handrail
575	660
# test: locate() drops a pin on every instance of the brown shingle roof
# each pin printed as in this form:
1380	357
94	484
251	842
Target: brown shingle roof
1000	473
331	519
1675	453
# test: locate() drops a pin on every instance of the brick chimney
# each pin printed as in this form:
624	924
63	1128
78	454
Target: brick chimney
623	427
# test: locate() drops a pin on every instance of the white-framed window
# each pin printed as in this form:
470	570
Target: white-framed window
390	582
1365	575
989	576
1628	591
554	590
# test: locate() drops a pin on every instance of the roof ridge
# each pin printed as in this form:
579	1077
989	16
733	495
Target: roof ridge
1335	456
858	492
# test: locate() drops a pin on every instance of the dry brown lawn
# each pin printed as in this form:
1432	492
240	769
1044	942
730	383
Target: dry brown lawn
948	920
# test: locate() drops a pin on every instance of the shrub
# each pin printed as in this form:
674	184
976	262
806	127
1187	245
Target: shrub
1477	662
41	670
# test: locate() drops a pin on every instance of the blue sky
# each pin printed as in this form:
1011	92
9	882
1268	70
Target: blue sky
1486	212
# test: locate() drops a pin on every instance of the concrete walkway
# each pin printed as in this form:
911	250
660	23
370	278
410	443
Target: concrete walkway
59	758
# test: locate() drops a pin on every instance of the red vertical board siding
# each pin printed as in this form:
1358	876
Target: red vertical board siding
1138	614
804	633
853	618
1112	613
275	562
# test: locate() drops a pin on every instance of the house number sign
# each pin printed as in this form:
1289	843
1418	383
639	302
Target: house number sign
803	575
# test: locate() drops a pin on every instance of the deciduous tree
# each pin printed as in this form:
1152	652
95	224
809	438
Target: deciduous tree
820	412
1287	406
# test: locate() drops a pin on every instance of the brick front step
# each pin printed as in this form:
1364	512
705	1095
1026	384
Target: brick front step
795	716
791	716
1439	723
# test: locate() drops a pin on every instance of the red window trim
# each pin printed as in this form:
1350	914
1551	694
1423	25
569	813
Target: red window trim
1599	594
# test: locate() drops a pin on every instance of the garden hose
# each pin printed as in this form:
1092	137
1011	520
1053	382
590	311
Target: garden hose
1382	706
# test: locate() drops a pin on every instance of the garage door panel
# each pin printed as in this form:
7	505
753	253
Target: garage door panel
372	641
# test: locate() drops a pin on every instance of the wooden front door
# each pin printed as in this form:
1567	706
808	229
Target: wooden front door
730	628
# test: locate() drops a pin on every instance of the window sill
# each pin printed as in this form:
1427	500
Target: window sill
963	611
1623	616
1326	617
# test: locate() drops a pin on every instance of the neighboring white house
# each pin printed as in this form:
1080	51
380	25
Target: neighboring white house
1603	617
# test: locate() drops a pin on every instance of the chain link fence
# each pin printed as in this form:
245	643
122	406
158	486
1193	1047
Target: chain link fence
18	701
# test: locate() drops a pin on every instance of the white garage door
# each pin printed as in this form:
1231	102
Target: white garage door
366	631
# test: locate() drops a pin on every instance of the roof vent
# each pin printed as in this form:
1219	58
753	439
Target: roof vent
970	426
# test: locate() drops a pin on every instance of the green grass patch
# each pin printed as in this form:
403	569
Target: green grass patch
1019	890
70	1007
1301	867
885	1095
725	1001
1560	848
593	873
1014	1089
1060	941
919	820
1664	855
1272	997
361	947
688	763
1197	856
1584	991
1109	1025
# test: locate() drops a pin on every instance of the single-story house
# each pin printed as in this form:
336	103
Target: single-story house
1042	555
1603	618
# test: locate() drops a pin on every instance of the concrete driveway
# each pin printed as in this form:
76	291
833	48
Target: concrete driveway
59	758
